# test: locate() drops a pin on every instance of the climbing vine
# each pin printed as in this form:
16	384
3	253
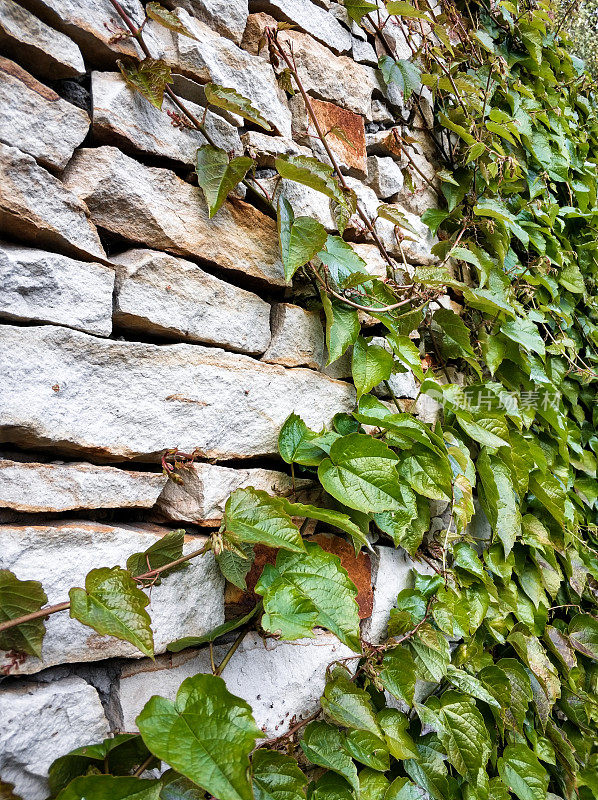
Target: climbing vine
487	683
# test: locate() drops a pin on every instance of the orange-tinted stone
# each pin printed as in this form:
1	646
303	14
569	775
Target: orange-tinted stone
331	116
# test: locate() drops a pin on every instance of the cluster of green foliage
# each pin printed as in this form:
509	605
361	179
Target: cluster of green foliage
580	20
492	659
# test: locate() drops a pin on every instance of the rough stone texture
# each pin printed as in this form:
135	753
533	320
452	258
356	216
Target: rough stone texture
58	487
266	149
154	206
35	206
226	17
160	294
402	384
41	722
205	488
61	555
311	19
384	176
212	58
32	117
331	116
124	117
282	681
92	25
304	200
120	400
297	337
46	52
363	52
391	573
48	287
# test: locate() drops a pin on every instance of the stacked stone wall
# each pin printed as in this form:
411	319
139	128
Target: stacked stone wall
131	323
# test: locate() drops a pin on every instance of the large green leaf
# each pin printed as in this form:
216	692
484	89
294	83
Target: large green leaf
342	326
499	499
522	773
109	787
164	551
324	745
307	589
461	729
427	473
218	175
231	100
149	77
398	673
404	73
206	734
235	563
300	238
400	525
371	364
254	516
361	473
356	9
331	517
524	332
470	685
348	705
583	634
18	598
368	749
113	604
276	776
346	267
431	653
298	444
310	172
429	771
394	724
455	341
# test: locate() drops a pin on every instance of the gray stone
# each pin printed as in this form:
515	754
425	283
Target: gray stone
93	24
281	681
121	400
210	57
60	556
46	52
36	120
305	201
227	17
266	149
384	176
205	488
380	112
41	722
56	487
153	206
36	207
297	337
160	294
319	23
124	117
391	573
47	287
363	52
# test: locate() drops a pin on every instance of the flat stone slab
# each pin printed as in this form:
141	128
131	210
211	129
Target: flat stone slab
188	603
37	208
204	489
38	286
36	120
47	52
57	487
160	294
281	681
227	17
311	18
122	400
40	723
123	117
152	206
297	337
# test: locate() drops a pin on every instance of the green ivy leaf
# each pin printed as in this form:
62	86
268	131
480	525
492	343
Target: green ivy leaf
470	685
398	673
399	524
498	499
429	771
149	77
177	787
356	9
428	473
165	550
371	364
253	516
361	474
231	625
206	734
310	172
455	341
524	332
402	789
234	564
335	518
345	266
297	444
18	598
348	705
431	653
300	238
109	787
231	100
113	604
368	749
323	744
583	635
394	724
522	773
168	19
405	74
307	589
217	175
331	787
276	776
372	785
342	327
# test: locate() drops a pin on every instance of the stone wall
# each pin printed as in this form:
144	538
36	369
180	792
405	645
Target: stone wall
130	323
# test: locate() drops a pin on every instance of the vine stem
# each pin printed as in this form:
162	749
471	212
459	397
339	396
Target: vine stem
142	767
48	610
306	99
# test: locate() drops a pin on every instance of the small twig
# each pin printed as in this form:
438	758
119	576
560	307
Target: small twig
142	767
